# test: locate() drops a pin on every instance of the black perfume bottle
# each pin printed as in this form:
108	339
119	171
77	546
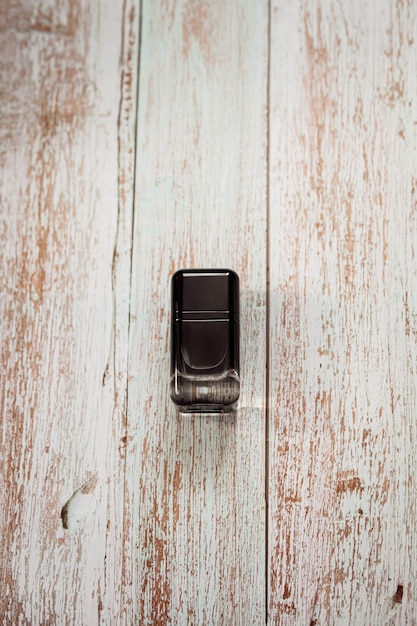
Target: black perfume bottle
205	340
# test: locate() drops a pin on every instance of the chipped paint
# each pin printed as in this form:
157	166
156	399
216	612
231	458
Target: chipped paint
101	202
343	256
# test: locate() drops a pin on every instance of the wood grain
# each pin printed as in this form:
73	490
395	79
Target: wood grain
195	484
278	139
343	233
60	516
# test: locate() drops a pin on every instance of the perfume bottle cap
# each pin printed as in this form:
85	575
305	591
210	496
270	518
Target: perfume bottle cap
206	293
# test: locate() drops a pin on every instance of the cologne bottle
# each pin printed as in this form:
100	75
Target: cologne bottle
205	340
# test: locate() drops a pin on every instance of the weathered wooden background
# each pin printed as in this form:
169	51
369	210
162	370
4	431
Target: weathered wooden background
277	138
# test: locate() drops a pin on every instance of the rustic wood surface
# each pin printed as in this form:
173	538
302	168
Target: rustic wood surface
61	484
343	278
279	139
195	485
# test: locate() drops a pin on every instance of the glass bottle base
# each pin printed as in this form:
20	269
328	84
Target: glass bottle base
203	394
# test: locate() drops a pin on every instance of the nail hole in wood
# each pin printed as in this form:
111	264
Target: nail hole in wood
79	506
398	595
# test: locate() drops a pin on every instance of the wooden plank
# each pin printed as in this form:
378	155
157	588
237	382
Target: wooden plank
343	350
64	228
195	484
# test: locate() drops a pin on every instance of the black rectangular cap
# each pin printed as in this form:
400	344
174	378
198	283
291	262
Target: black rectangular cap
206	290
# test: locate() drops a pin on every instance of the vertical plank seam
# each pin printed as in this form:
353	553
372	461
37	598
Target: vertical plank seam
135	151
125	425
138	65
124	412
267	303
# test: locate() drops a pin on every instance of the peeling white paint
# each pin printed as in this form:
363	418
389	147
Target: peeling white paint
307	153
